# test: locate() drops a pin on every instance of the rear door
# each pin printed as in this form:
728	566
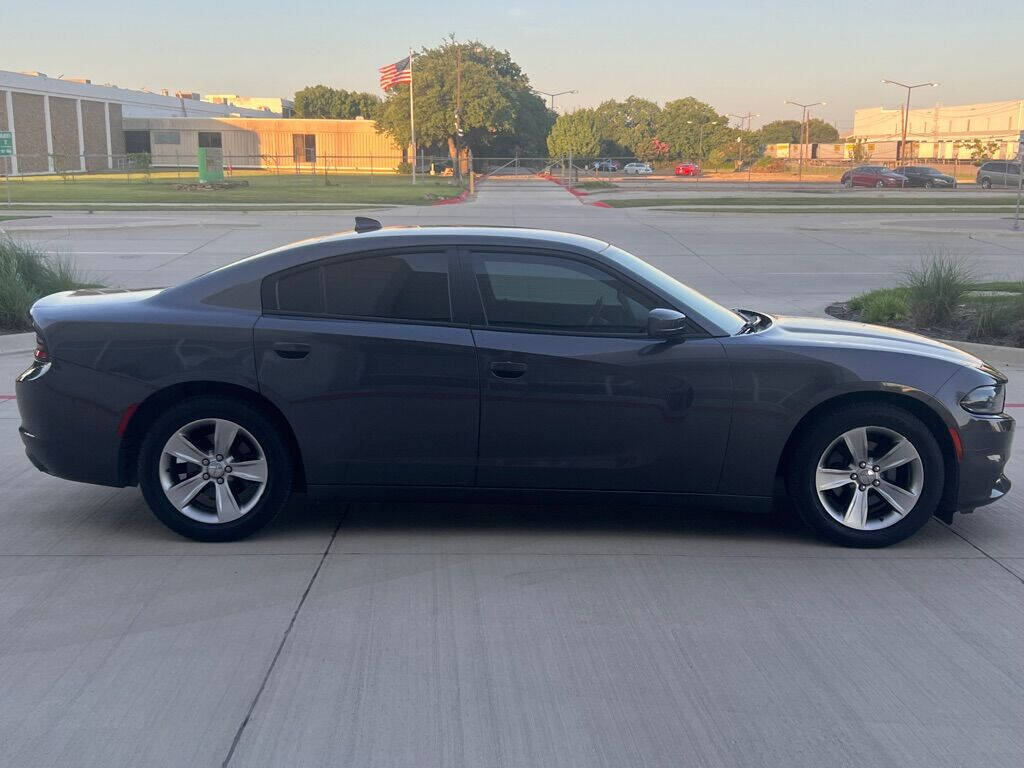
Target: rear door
362	356
574	394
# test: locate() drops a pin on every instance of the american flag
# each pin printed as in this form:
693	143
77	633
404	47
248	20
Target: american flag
396	74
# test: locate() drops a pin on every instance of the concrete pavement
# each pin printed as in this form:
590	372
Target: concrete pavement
482	635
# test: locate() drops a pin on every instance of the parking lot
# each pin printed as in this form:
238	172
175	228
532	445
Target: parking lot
490	635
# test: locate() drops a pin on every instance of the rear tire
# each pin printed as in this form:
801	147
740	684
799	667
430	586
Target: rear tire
833	504
879	184
929	184
201	496
986	183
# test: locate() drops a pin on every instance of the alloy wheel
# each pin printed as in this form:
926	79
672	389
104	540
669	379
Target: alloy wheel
869	478
213	471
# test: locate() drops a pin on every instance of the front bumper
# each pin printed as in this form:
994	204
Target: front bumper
987	442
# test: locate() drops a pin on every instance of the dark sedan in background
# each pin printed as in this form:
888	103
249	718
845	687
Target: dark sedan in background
924	176
408	362
873	176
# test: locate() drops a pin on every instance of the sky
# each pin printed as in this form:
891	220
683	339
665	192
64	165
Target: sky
738	56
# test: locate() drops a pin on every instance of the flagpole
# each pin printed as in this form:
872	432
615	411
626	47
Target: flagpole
412	118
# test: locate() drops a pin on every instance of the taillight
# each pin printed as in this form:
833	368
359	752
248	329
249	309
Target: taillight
41	355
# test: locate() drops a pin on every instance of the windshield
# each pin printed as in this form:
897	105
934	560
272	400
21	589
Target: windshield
729	321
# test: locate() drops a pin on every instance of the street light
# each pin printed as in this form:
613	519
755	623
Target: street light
906	111
700	141
552	95
804	133
749	117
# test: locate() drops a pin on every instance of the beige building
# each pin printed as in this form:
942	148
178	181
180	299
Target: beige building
942	132
272	104
353	145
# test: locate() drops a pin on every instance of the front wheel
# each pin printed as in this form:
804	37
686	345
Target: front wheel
848	184
214	469
929	184
879	184
867	475
986	183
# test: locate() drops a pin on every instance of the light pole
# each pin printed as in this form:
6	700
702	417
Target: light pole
749	117
700	143
804	133
906	112
552	95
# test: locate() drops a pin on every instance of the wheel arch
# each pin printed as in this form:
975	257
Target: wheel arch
149	409
940	429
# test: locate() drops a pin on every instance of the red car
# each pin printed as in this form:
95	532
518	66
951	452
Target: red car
873	176
687	169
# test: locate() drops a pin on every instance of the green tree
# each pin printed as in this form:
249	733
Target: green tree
981	151
627	127
692	129
789	131
497	107
322	101
576	133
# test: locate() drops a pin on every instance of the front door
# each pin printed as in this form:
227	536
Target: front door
575	395
361	355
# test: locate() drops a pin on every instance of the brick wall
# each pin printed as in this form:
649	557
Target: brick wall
30	130
64	130
116	132
95	132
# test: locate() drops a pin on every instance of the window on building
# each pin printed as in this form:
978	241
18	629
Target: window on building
136	142
304	147
210	139
167	137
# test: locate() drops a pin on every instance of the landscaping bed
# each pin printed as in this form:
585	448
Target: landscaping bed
942	299
27	275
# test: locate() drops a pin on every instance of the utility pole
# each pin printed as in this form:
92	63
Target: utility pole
553	95
700	143
906	113
749	117
805	133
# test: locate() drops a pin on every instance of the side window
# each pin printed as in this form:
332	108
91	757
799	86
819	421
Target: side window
409	286
557	294
996	167
209	139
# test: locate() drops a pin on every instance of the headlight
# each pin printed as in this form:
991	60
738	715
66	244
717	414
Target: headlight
988	399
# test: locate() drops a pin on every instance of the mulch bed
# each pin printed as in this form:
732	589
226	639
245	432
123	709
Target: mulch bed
964	326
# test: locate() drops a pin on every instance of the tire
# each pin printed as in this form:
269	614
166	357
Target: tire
879	184
917	484
929	185
848	184
234	491
986	183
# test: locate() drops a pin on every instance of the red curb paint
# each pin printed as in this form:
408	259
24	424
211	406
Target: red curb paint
6	397
600	204
1014	405
453	200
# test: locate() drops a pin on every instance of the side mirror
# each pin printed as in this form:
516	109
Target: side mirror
664	323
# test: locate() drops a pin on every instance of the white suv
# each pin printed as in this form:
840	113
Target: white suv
641	169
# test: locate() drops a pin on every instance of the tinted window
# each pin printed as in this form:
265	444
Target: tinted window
209	139
996	167
557	294
411	286
1013	168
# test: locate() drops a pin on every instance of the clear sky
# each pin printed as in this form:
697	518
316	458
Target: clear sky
736	55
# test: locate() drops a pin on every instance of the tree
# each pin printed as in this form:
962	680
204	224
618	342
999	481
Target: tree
498	108
686	126
981	151
626	128
575	133
789	132
322	101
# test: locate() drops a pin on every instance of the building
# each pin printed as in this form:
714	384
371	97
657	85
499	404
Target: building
277	144
273	104
943	133
75	125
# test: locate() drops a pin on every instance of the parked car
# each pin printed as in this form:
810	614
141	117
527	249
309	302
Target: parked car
873	176
923	176
999	173
687	169
641	169
407	362
606	165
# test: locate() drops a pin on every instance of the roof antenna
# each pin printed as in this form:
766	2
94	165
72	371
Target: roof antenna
366	224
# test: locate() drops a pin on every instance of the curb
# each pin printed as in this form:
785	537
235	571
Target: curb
453	200
17	343
990	352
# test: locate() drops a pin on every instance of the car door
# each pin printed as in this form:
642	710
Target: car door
574	394
362	357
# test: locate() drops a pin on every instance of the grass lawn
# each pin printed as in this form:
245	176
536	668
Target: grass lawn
264	188
596	185
831	201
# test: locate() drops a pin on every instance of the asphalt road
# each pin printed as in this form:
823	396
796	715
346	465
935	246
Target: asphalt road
471	635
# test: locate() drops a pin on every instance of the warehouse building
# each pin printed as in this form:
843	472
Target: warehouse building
294	144
75	125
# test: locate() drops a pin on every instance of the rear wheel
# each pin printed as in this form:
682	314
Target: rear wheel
214	469
879	184
929	184
986	183
867	475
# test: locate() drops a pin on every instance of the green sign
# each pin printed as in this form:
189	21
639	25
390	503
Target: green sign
6	143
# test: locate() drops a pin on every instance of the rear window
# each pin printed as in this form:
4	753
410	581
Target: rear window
401	286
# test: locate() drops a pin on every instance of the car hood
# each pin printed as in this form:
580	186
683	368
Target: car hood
846	334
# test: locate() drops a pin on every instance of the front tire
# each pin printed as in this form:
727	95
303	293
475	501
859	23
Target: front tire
986	183
879	184
214	469
867	475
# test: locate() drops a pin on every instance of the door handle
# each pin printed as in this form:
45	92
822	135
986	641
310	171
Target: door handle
508	369
290	350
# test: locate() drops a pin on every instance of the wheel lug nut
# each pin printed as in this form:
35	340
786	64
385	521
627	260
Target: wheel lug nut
206	462
221	458
227	468
220	481
875	468
861	487
853	475
205	476
863	464
876	483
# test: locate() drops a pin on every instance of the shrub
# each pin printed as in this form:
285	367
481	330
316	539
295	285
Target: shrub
883	306
936	287
27	275
405	168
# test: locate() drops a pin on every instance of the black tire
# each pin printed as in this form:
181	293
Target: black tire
804	462
280	470
986	183
879	184
929	184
